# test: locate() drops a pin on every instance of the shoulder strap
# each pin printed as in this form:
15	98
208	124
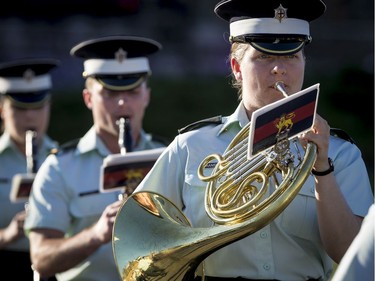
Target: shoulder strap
341	134
199	124
69	145
218	120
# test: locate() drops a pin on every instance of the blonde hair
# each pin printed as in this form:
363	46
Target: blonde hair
89	82
237	52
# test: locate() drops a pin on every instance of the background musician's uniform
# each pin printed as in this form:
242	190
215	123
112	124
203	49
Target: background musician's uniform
67	180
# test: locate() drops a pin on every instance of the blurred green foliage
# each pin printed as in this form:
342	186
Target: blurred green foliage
347	102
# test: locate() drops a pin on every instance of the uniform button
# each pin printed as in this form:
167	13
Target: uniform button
267	266
312	190
263	234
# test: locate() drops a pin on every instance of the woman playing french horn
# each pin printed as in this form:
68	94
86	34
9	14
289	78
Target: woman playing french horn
322	220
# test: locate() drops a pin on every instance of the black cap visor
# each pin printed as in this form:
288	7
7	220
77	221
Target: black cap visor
275	45
120	82
29	100
278	49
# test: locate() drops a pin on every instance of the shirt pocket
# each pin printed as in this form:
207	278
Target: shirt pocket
194	199
299	218
91	204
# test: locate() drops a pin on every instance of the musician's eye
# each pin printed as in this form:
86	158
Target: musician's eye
264	56
291	56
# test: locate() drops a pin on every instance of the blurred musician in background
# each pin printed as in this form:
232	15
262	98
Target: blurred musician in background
25	100
358	261
69	221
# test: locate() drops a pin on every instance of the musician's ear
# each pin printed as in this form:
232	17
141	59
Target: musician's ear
236	69
86	94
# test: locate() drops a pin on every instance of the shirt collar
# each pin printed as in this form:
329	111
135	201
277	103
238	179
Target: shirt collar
238	118
143	140
7	143
91	141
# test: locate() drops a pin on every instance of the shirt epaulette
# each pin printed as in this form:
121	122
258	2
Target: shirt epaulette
341	134
69	145
199	124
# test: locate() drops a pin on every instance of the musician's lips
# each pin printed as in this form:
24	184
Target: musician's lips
123	116
278	81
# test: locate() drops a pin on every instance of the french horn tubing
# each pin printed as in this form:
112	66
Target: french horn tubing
152	238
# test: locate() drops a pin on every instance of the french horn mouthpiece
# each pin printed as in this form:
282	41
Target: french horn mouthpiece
279	85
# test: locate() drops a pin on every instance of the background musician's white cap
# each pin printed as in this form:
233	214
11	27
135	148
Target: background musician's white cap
27	82
119	63
277	27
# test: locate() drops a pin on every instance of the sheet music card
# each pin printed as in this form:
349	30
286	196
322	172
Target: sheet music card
295	113
21	187
125	172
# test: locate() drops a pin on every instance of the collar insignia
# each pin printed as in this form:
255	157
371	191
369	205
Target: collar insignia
120	55
280	13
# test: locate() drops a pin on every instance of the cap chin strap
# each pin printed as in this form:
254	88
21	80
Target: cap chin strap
277	52
271	38
275	42
29	105
122	87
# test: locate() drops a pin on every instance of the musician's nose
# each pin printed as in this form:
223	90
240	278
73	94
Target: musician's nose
122	98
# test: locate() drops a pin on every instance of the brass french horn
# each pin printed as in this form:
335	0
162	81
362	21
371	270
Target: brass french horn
153	240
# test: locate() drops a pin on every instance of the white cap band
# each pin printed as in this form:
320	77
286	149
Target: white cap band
108	66
269	26
22	85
